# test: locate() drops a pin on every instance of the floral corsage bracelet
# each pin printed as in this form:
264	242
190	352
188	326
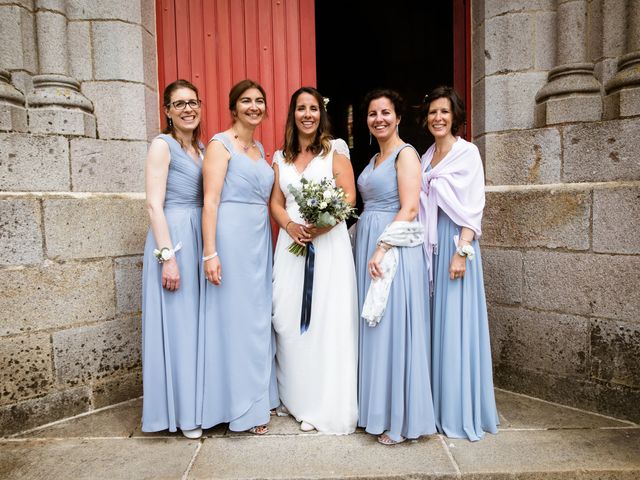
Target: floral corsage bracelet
165	253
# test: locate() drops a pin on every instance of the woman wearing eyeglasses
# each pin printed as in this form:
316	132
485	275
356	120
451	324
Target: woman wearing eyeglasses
170	281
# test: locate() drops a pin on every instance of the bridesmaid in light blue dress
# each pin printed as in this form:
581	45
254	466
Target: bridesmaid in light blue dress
236	306
394	389
171	271
462	376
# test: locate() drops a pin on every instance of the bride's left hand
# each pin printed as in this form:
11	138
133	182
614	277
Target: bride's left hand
299	233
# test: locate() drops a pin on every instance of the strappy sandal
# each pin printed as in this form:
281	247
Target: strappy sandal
259	430
384	439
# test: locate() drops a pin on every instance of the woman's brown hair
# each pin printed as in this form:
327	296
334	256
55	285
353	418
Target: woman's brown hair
239	88
457	106
320	145
166	101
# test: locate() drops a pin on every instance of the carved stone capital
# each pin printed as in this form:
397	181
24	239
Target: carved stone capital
59	90
575	78
13	115
9	93
623	90
57	106
628	73
572	94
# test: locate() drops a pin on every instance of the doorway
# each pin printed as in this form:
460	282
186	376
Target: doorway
406	46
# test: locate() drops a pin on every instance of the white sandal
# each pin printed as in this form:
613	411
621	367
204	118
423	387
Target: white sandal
192	434
306	427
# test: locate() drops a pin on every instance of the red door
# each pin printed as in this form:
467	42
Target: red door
216	43
462	56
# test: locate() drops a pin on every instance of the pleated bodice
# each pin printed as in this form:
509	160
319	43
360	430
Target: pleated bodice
247	180
184	181
379	186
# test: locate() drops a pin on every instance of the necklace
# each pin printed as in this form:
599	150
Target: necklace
244	147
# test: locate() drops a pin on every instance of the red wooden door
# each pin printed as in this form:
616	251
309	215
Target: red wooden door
462	56
216	43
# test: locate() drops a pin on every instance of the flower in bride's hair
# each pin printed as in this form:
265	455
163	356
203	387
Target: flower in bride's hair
325	100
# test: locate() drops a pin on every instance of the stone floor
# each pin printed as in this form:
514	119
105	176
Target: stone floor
537	440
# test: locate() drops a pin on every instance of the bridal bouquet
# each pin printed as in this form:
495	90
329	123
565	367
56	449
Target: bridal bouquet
322	204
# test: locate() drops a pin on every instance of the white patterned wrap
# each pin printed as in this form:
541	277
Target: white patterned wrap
397	234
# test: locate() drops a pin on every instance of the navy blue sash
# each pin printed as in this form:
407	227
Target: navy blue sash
307	290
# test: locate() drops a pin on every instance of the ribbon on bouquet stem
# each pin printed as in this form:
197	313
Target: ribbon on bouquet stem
307	289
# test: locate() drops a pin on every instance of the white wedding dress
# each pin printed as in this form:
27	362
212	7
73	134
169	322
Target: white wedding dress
317	370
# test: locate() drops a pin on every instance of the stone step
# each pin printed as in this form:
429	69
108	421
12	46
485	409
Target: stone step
537	440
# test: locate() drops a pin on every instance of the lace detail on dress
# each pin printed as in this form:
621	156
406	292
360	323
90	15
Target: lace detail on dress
278	158
340	146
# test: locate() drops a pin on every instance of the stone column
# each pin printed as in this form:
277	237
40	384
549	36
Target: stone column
56	104
623	90
572	93
13	115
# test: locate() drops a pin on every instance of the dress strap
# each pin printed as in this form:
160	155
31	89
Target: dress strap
172	142
226	141
401	147
261	148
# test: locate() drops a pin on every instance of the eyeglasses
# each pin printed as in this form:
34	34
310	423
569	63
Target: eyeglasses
181	104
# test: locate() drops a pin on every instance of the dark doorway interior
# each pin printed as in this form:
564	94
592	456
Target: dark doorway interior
407	46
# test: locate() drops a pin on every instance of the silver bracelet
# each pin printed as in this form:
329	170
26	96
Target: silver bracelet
209	257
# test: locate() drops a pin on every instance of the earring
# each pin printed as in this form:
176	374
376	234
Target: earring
169	122
370	138
398	129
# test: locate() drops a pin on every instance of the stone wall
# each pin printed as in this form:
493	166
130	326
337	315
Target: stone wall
556	105
78	104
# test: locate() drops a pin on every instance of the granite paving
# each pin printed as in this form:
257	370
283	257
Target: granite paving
537	440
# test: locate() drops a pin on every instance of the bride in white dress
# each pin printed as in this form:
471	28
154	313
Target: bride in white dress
317	369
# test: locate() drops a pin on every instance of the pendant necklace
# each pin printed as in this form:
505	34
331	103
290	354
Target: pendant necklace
244	147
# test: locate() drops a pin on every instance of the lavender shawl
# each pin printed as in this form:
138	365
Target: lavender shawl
456	185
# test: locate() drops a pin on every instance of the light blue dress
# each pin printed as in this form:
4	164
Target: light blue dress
236	316
462	377
170	319
394	390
